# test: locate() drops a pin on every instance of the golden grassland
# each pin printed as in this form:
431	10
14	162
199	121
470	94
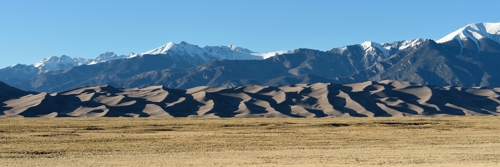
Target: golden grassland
449	141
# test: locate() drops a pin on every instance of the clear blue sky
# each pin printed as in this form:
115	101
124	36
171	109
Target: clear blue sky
34	29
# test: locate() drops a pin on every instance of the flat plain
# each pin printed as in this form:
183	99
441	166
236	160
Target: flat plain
406	141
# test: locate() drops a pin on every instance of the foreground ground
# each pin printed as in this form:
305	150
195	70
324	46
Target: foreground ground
457	141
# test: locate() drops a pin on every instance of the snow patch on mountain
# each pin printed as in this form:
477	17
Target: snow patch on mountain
372	48
56	63
271	54
401	45
160	50
230	52
106	56
474	32
386	49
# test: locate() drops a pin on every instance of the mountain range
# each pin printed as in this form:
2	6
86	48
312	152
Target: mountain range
466	57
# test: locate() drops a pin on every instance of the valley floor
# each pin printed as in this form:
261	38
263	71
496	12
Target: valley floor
450	141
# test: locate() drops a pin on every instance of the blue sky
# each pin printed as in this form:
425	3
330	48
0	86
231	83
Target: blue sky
34	29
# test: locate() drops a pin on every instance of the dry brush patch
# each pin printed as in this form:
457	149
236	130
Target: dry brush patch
277	142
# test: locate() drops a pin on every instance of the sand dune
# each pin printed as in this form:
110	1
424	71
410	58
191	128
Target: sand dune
367	99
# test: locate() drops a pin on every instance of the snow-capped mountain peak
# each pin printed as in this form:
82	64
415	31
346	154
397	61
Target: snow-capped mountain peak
474	32
401	45
372	47
52	59
172	47
106	56
239	49
56	63
372	51
206	53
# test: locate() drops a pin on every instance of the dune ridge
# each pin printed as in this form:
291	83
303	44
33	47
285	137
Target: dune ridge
366	99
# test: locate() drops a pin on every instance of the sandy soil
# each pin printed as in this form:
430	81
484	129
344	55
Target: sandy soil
450	141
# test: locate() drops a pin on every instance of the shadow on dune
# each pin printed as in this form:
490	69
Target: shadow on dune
339	103
50	104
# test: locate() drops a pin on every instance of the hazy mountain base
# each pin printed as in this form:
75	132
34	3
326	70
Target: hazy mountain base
457	141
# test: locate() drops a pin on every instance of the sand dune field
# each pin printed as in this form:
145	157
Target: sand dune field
320	100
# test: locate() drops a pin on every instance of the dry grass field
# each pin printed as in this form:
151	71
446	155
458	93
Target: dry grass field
451	141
